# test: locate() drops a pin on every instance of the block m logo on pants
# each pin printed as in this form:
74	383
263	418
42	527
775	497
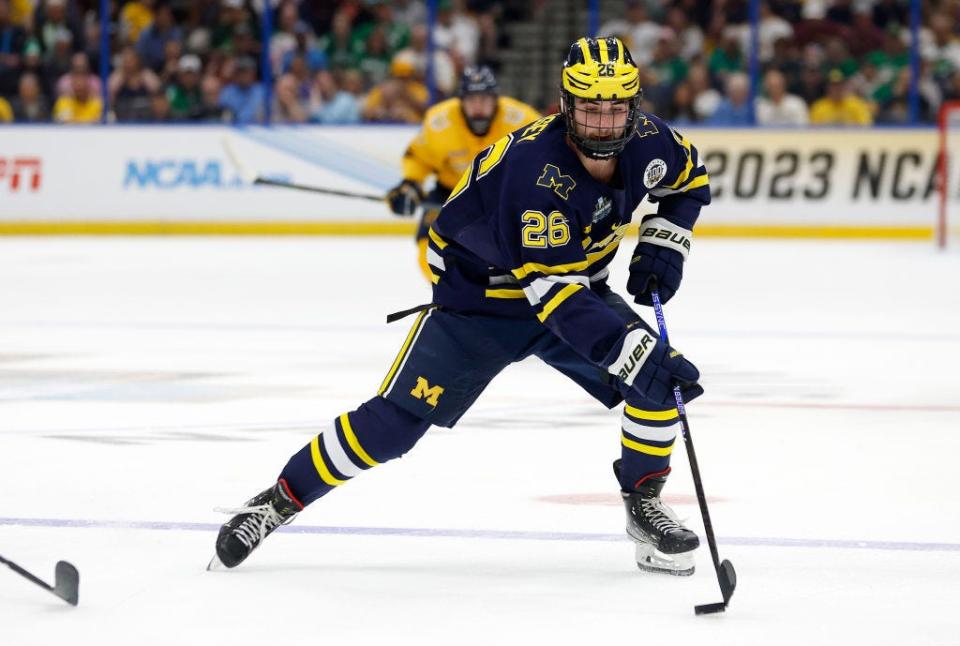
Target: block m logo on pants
424	390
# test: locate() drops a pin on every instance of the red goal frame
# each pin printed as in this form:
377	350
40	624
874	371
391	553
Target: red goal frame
943	184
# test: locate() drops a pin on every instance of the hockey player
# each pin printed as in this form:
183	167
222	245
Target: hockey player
519	257
453	132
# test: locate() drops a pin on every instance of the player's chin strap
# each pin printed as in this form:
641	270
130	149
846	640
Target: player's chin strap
396	316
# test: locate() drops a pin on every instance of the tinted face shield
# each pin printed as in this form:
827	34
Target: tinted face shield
600	129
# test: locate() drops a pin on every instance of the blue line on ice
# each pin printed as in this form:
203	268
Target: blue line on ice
427	532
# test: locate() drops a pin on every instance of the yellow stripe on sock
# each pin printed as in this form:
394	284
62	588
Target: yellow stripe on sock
660	451
320	466
652	415
354	443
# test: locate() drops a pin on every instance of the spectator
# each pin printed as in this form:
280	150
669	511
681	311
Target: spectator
79	65
184	95
943	50
705	97
53	17
778	108
211	110
839	107
727	57
812	84
375	62
868	36
734	108
837	57
338	46
159	108
289	106
284	39
396	34
330	104
12	41
689	35
6	111
243	98
80	106
59	60
131	86
444	72
667	65
457	33
399	99
772	28
897	108
292	92
306	46
680	110
637	31
135	16
30	105
409	12
153	40
172	53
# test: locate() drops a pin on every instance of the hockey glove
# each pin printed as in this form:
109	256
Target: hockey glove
404	198
658	260
652	368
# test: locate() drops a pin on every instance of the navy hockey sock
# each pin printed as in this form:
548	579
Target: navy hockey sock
647	441
376	432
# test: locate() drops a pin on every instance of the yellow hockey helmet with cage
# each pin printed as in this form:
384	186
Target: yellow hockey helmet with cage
600	69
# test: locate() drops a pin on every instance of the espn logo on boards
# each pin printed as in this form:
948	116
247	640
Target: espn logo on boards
424	390
19	171
634	352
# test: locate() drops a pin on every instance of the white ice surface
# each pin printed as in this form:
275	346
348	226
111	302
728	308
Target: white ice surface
145	381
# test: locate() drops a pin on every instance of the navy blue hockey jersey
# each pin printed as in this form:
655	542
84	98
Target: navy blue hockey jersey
528	232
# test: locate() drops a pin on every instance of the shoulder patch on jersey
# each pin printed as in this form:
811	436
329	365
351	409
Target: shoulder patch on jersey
656	171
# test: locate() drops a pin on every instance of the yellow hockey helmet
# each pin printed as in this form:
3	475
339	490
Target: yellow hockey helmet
600	69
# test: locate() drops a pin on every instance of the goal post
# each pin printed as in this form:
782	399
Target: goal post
948	176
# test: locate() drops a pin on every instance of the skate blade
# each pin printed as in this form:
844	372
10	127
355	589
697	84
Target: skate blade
216	565
650	559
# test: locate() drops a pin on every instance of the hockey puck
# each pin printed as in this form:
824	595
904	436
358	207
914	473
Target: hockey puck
709	608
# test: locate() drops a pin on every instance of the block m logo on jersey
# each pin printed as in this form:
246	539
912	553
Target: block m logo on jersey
424	390
553	178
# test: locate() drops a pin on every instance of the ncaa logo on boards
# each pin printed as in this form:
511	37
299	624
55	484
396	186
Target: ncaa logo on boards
656	171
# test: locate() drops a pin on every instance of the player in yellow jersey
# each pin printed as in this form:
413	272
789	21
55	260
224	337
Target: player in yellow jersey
453	132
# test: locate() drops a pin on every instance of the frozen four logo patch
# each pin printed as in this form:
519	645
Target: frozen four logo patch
602	209
656	170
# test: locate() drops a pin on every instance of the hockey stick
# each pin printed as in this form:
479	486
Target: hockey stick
726	575
66	583
253	178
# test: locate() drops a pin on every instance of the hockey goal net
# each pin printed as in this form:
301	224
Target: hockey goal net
948	184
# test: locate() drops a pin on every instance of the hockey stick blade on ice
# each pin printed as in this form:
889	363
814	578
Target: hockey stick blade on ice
66	583
726	575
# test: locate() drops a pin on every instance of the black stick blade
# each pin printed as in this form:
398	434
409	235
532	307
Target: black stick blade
728	580
67	583
709	608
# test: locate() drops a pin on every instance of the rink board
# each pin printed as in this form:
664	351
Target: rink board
179	180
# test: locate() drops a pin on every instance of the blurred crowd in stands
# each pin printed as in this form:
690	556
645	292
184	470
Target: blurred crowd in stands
348	61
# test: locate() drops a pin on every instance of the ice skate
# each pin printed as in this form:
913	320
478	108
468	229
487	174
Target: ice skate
252	523
663	543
